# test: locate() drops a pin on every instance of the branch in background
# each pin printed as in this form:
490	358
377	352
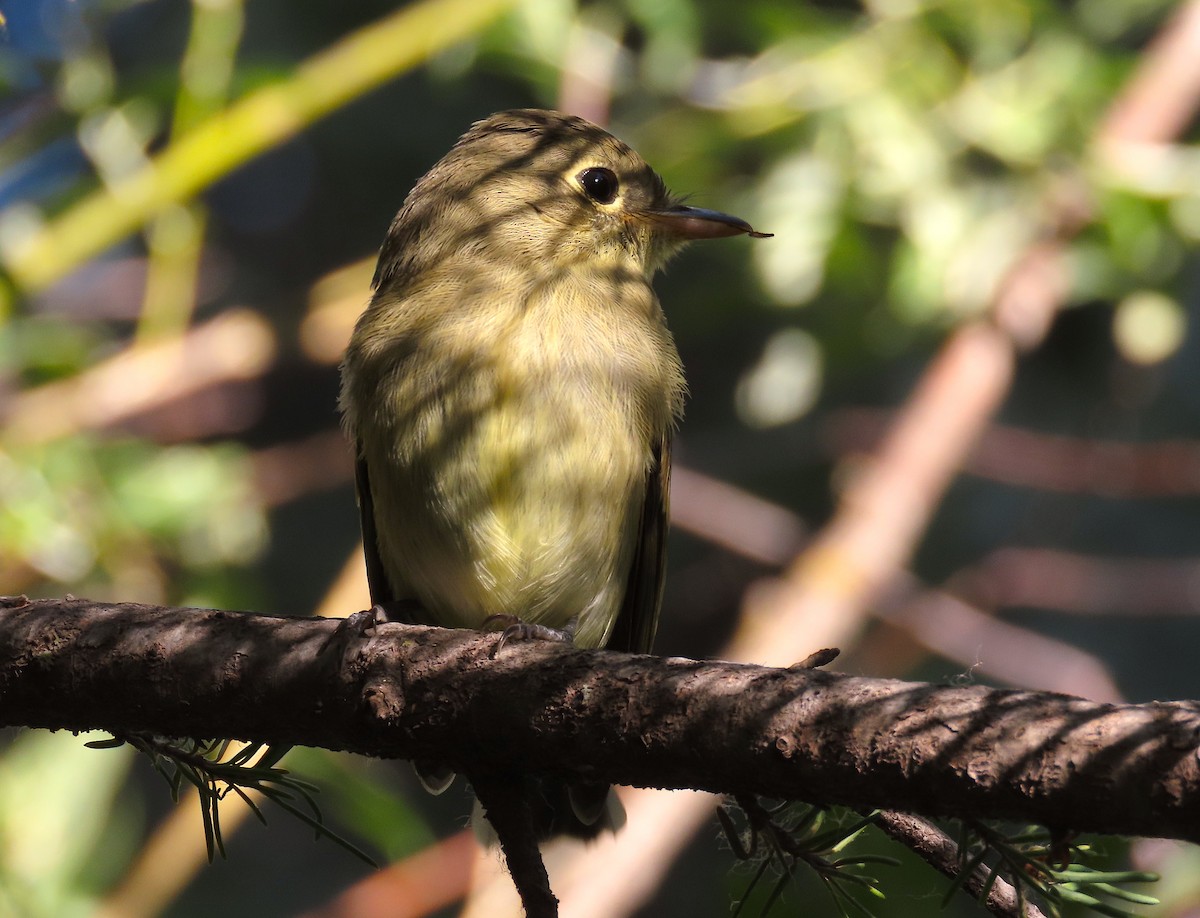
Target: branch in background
733	518
1050	462
940	851
403	889
1008	653
433	694
236	345
175	238
288	471
1159	101
1070	582
941	621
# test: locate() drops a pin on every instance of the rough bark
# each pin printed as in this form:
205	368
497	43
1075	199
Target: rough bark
410	692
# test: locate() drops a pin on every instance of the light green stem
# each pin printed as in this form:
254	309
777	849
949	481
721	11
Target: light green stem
257	122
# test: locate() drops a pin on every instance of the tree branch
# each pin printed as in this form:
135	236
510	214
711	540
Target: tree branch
412	692
941	852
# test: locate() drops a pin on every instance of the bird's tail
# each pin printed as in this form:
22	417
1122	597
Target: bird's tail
576	810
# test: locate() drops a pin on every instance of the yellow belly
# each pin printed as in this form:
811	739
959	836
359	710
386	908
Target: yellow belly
508	443
520	508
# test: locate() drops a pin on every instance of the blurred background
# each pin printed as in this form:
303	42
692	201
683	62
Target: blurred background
967	364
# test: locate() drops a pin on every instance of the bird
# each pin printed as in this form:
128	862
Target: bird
511	391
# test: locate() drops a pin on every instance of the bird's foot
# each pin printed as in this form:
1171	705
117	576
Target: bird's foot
513	629
360	624
353	628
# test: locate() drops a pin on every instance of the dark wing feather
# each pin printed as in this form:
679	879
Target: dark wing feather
638	618
381	590
435	777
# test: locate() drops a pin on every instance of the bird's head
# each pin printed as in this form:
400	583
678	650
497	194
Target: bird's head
539	188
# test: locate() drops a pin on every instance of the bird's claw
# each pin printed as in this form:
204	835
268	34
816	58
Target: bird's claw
516	630
363	622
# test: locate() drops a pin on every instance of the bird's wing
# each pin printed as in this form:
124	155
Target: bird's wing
435	777
638	619
381	590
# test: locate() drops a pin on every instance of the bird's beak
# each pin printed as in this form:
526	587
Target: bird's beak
697	223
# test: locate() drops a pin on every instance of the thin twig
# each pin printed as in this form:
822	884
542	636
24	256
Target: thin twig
941	852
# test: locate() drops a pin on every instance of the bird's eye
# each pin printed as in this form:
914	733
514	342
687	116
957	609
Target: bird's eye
599	184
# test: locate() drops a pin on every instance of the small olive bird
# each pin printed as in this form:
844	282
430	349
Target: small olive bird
511	391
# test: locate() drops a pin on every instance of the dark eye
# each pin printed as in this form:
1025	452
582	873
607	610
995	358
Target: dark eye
599	184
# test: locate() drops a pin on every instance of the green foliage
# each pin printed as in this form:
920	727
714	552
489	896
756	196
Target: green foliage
795	836
783	844
109	515
217	768
1053	867
364	793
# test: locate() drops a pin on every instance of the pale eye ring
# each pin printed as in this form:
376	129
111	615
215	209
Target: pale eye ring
599	184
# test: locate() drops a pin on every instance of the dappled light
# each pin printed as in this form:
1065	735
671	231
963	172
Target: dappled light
945	420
